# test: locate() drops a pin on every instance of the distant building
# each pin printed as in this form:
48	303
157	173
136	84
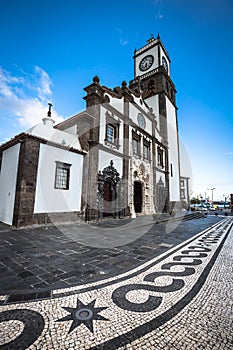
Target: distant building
120	157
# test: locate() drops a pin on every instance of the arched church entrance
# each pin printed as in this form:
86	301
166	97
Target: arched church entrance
137	197
109	197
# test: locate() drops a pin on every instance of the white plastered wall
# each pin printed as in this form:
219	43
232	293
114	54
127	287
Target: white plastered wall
103	129
48	199
153	102
162	53
153	51
133	114
8	178
173	152
116	103
160	176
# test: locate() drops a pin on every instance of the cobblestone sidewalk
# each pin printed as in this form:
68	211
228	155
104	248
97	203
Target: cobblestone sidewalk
61	256
181	299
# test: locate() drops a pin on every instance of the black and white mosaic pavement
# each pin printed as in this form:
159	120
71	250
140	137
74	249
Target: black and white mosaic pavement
153	306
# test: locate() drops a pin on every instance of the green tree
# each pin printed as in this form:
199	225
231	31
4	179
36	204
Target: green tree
195	201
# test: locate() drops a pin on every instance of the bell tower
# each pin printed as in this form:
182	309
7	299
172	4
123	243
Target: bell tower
152	80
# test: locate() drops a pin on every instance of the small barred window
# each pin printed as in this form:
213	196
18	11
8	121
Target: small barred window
62	176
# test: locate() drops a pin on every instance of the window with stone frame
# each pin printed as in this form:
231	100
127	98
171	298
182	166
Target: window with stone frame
136	139
182	193
160	156
62	176
135	146
112	130
146	150
182	183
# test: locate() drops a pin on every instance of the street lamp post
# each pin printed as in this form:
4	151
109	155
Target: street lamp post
212	189
225	200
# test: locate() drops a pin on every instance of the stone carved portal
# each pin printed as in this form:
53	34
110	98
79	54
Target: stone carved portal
141	195
110	192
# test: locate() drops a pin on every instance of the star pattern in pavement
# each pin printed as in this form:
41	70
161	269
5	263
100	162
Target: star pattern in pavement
83	314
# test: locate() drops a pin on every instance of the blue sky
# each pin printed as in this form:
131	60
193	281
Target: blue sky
50	50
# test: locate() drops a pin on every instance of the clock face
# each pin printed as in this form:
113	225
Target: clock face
146	63
141	121
164	63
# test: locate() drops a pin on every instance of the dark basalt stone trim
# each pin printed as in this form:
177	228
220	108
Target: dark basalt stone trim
18	138
22	297
152	303
33	326
26	182
150	326
114	152
57	217
142	131
21	137
72	121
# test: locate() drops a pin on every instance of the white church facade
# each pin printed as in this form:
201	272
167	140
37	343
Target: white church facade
119	157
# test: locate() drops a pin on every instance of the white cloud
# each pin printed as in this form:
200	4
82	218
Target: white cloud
122	41
24	98
158	5
5	81
45	83
30	112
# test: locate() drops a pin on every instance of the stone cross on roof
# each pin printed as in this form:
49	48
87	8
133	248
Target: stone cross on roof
49	111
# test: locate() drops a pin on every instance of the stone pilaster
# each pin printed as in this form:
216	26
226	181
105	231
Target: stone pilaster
26	182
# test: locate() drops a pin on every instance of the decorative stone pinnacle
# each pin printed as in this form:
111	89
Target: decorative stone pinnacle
96	79
49	111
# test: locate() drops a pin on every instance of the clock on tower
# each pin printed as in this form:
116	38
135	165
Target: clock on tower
152	70
150	57
146	63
